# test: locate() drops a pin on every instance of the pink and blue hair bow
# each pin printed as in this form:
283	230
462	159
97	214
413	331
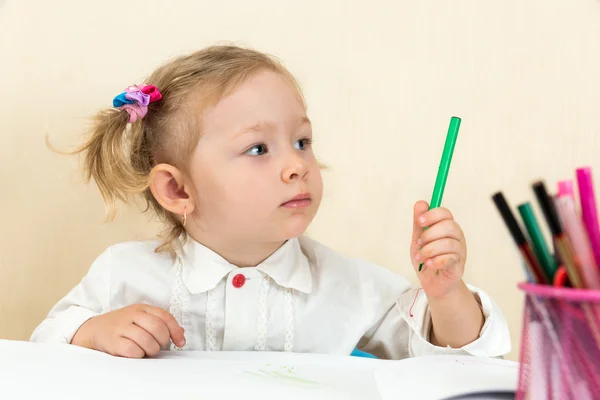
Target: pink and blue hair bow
135	100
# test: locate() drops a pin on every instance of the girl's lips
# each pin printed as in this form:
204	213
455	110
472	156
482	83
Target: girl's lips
298	201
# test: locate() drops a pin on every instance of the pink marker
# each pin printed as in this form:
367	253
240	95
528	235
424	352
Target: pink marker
582	251
565	188
588	208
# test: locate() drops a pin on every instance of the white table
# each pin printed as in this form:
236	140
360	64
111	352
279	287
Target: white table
38	371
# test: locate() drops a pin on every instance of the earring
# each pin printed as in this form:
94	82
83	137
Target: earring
184	216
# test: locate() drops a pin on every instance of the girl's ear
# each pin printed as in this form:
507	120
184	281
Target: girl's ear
169	189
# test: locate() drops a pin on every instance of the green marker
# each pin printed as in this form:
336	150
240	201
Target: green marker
444	168
537	239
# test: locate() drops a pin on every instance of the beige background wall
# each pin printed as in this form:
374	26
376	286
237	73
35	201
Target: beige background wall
382	79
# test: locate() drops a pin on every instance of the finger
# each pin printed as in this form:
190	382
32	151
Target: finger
434	216
438	248
175	331
445	261
142	338
154	326
444	229
127	348
420	208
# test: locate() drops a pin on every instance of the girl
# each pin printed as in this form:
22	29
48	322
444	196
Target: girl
219	145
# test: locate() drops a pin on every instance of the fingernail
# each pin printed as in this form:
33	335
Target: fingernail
419	242
418	257
422	220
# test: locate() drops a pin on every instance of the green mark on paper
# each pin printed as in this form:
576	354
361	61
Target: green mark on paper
284	374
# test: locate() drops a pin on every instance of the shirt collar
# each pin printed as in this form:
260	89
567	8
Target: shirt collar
203	269
289	267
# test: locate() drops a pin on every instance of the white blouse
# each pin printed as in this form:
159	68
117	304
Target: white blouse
304	298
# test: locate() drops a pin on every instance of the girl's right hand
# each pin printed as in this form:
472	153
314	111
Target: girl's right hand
134	331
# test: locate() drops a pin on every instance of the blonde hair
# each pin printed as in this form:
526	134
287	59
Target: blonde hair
119	156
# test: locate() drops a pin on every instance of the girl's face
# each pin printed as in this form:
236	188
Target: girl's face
254	173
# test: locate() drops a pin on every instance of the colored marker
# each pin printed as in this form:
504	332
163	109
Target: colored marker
582	250
531	262
560	278
444	168
588	209
540	248
565	188
561	241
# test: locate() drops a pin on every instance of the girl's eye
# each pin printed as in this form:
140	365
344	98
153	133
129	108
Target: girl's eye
303	144
257	150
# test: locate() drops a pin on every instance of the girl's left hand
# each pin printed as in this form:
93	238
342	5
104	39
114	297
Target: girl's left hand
441	249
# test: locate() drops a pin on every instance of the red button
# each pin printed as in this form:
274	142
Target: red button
238	281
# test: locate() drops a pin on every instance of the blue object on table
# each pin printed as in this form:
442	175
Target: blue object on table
358	353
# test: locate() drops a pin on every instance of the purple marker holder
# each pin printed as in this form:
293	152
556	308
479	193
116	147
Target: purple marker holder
560	348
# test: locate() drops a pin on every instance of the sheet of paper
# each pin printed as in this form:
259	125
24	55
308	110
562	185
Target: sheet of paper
36	371
441	377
